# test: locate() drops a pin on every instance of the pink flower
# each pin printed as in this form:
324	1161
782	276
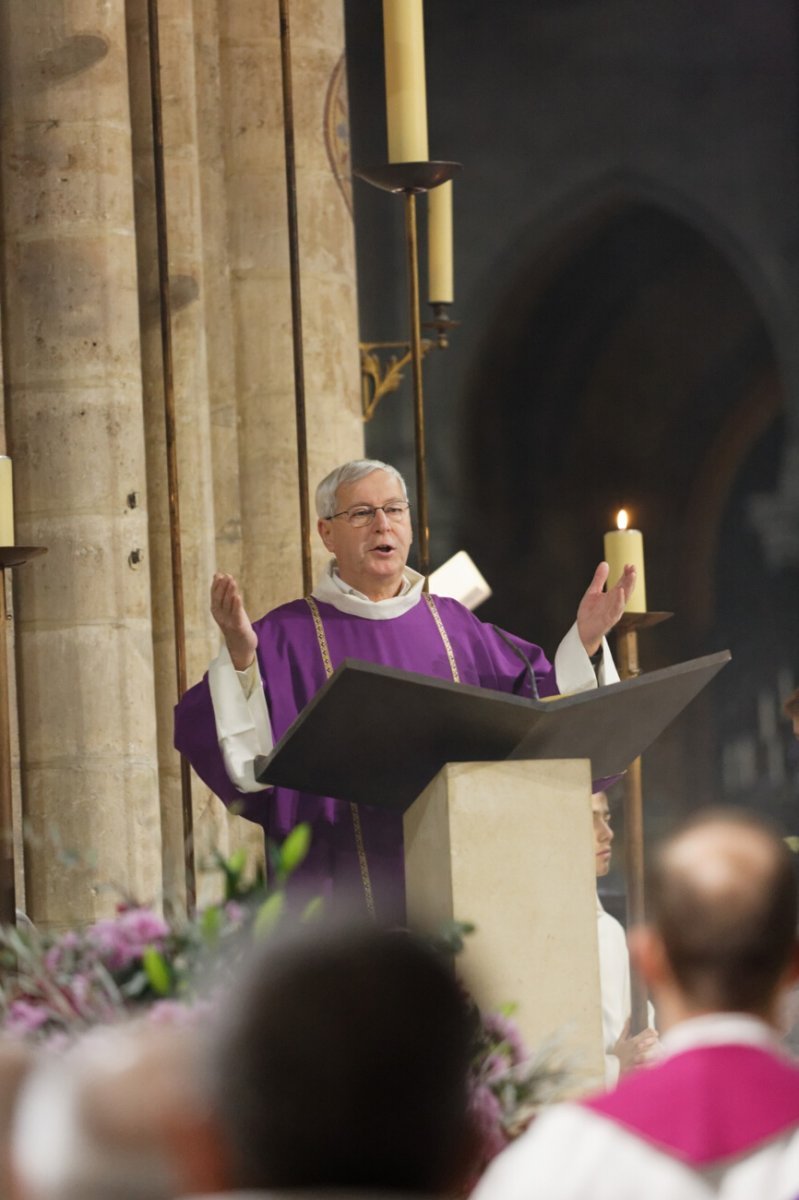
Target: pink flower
79	988
235	913
25	1017
486	1114
494	1067
52	959
502	1029
172	1012
123	939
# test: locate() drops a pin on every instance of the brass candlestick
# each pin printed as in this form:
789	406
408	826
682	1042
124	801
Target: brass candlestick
627	647
412	179
10	556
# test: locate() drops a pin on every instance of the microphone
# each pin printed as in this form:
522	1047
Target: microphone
517	650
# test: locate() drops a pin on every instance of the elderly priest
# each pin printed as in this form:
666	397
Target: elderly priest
368	605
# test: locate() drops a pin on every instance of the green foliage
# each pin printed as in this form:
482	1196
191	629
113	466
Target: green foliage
57	985
268	915
294	850
157	970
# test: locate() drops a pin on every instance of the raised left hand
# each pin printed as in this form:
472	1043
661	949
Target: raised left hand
599	611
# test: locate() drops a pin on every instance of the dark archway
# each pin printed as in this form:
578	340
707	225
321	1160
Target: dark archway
629	364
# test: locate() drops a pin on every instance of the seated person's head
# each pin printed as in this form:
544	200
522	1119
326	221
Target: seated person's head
98	1121
603	833
342	1063
722	900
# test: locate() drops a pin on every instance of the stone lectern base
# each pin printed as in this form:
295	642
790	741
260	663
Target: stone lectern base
509	847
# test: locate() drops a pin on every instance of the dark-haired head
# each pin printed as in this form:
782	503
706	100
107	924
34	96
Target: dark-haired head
342	1063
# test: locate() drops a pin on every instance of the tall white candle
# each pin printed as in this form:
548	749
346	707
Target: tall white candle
6	502
406	94
623	546
439	244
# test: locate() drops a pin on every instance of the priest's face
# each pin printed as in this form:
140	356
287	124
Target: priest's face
603	834
370	557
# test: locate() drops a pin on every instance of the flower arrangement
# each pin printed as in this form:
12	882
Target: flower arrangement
54	987
510	1084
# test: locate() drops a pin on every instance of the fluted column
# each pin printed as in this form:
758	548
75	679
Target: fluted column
72	363
259	273
192	410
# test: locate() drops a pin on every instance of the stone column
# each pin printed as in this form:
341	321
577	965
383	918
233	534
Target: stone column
191	387
72	364
259	273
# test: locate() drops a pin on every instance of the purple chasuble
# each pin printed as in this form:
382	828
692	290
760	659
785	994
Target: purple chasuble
292	671
708	1106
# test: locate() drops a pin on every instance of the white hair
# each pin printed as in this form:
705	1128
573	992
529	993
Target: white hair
349	472
85	1124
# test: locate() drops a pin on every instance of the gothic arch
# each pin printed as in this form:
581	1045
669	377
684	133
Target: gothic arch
631	361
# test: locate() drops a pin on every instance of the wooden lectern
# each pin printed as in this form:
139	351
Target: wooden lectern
496	796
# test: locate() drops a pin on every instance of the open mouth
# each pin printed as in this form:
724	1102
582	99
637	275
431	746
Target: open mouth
383	550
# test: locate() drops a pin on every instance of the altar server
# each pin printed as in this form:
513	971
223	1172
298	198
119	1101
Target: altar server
623	1051
719	1115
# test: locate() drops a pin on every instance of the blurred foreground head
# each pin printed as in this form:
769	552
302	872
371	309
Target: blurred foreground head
723	908
101	1120
342	1062
16	1062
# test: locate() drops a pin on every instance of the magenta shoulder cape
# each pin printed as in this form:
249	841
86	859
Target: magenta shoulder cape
708	1106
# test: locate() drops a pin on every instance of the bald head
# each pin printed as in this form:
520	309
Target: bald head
723	899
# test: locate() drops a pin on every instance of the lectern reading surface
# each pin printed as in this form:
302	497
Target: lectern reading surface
376	735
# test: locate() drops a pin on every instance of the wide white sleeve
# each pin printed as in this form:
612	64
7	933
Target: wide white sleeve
614	981
243	728
573	669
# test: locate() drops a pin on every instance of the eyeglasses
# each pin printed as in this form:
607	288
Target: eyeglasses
363	514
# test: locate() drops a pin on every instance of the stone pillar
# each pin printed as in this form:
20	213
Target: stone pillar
252	144
191	387
220	347
72	365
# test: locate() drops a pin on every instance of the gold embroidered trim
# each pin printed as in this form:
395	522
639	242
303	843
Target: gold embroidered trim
321	637
324	649
453	666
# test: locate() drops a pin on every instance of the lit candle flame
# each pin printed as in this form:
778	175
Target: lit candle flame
621	518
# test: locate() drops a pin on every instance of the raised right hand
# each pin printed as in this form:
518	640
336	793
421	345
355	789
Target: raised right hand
227	609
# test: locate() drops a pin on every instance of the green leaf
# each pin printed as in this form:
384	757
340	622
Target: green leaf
313	909
237	861
792	843
157	971
210	924
449	937
294	849
269	914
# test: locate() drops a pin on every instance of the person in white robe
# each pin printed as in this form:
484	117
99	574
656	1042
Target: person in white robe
623	1052
718	1116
